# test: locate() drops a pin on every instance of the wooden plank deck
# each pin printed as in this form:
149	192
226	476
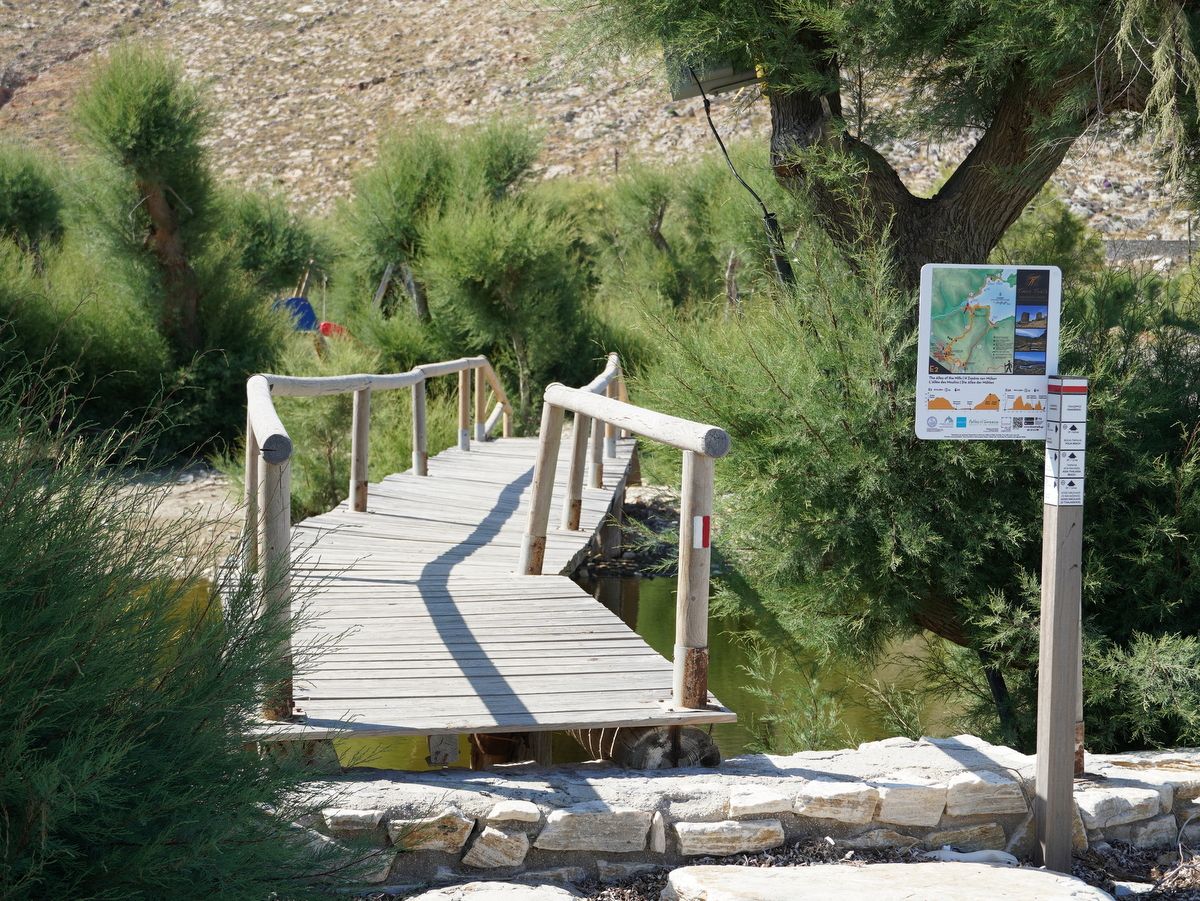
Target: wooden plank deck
428	630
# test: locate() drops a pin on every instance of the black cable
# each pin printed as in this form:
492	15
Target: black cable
783	267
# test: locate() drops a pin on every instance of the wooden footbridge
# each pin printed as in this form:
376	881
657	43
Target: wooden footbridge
426	590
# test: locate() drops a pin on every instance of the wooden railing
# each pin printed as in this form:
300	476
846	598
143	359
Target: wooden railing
269	450
605	401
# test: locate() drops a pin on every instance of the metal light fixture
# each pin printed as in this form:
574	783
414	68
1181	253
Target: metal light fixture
715	75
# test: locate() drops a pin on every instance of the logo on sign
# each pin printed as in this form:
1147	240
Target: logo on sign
961	422
931	422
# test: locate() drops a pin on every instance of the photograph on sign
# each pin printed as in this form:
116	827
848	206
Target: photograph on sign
988	338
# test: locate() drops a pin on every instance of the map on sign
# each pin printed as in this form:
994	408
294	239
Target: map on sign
988	336
972	319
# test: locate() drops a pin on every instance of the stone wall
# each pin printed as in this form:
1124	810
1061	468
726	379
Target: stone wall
593	820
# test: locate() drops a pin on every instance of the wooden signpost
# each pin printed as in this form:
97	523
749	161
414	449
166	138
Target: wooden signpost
1059	691
989	341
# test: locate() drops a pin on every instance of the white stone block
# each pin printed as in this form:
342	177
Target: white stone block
498	891
980	837
1103	806
594	826
496	848
345	820
514	811
879	838
757	800
658	833
910	801
447	831
968	794
954	881
846	802
1160	832
728	836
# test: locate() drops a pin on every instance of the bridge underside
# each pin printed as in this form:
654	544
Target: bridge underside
426	629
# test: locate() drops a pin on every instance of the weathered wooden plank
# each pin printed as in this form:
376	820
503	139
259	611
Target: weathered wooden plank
333	727
580	700
478	685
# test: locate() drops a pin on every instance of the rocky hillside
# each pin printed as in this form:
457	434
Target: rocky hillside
303	88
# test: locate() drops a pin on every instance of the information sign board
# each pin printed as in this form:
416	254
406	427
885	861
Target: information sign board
988	338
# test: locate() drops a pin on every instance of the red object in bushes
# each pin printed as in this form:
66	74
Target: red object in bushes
329	329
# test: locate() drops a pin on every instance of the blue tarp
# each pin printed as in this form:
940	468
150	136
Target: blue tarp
304	317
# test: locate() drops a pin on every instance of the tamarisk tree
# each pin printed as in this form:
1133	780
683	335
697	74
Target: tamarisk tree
1029	76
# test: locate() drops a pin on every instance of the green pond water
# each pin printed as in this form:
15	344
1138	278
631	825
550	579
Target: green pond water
648	607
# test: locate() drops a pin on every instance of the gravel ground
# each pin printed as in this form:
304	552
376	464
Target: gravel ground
302	89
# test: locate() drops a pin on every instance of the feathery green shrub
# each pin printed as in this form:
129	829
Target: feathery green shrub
30	202
274	245
151	213
128	687
501	274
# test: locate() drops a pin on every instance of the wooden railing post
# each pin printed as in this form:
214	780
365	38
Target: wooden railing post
533	546
275	578
420	439
610	430
464	409
573	502
596	474
507	424
250	495
480	405
623	396
360	439
691	599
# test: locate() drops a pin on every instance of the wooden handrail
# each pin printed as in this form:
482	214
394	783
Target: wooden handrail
701	444
684	434
269	452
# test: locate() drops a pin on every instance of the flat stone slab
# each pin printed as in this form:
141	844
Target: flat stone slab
877	882
595	826
728	837
498	891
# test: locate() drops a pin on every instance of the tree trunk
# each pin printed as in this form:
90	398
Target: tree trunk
180	315
522	356
962	223
733	297
416	292
655	228
1002	699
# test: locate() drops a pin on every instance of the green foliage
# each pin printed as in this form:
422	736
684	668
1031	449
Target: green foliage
801	713
1047	233
671	232
421	172
502	274
146	118
273	244
493	160
30	204
100	340
853	533
146	219
392	203
128	685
